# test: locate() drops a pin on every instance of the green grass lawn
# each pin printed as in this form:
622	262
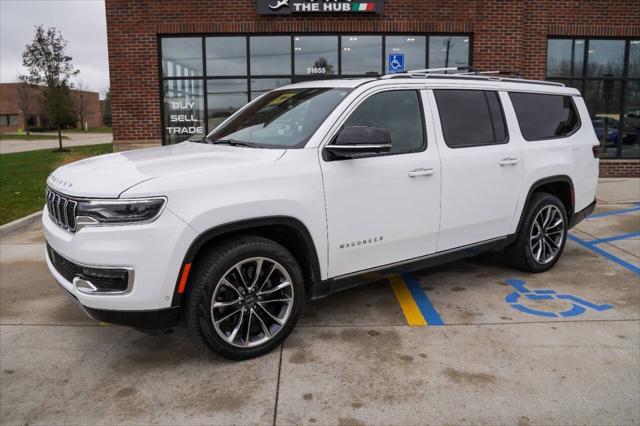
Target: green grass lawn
31	137
23	175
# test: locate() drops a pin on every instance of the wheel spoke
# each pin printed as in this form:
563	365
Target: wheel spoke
246	340
265	329
236	329
540	254
239	272
228	316
226	283
273	317
288	299
549	252
550	240
217	305
257	272
279	287
266	279
558	222
547	216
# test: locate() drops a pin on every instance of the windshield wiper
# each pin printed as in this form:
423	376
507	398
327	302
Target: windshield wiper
233	142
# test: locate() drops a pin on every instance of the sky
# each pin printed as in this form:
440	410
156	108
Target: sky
81	22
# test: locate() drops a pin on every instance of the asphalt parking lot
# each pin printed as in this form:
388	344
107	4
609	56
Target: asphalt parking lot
471	342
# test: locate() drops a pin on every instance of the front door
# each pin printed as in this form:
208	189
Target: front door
481	167
384	208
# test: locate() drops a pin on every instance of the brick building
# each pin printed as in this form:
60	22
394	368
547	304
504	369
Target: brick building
179	67
15	98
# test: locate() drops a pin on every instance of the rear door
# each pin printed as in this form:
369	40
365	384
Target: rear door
481	166
384	208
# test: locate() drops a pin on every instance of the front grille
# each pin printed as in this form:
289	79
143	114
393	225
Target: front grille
62	209
105	279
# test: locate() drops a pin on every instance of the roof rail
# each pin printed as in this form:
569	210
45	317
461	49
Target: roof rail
469	73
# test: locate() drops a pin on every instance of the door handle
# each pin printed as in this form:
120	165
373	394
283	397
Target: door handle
509	161
420	172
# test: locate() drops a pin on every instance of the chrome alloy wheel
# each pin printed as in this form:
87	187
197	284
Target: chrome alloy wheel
252	302
546	235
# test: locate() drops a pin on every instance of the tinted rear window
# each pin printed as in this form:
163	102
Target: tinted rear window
470	117
543	116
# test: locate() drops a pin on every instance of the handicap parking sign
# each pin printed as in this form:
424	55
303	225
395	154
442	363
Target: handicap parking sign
396	62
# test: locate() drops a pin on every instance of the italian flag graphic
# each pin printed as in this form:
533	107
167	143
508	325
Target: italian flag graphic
363	7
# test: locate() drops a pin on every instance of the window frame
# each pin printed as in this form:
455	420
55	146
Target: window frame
292	75
363	98
507	135
583	78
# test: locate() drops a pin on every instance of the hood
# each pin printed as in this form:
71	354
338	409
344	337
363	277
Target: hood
108	176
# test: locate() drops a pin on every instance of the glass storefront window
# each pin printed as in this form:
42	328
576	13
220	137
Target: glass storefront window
565	57
263	85
413	47
226	56
361	55
631	127
224	97
182	57
270	55
183	109
605	58
603	102
448	51
634	58
605	85
315	55
200	91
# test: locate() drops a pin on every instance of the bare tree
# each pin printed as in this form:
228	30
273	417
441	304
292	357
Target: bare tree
24	98
49	65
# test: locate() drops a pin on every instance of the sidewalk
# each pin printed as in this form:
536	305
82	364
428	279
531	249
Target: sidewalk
75	139
619	190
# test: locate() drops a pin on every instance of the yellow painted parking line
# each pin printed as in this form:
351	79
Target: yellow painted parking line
407	303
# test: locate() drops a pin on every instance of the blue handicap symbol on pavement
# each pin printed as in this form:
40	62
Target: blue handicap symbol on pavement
579	305
396	62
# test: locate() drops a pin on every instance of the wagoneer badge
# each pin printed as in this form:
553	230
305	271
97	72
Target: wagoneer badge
361	242
58	181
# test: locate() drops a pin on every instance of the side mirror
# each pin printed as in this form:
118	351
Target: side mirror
360	140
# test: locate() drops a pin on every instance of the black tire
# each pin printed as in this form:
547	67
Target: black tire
216	263
520	254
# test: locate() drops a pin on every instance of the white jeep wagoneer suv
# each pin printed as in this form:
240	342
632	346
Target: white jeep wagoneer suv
311	187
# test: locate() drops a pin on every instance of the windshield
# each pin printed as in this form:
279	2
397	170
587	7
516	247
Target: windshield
280	118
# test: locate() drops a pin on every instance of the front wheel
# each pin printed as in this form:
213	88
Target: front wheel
543	234
246	297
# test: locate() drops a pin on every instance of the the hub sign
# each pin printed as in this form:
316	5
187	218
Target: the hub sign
287	7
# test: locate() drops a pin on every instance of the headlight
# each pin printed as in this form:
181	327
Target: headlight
107	212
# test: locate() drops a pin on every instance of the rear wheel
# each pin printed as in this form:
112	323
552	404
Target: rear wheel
543	234
246	298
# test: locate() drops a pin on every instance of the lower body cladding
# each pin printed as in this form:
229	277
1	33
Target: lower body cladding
121	274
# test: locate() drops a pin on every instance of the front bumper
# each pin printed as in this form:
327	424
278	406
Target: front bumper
158	319
153	252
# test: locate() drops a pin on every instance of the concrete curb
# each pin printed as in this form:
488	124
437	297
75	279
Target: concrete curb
19	224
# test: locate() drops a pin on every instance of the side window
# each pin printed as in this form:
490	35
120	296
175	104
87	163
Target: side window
471	117
545	116
397	111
